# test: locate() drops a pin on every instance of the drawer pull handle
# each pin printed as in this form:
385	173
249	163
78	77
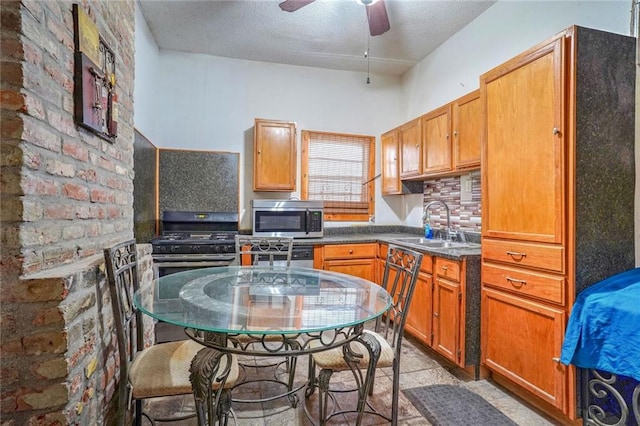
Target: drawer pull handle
444	268
514	281
515	254
555	359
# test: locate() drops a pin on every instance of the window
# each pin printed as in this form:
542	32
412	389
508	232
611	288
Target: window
338	169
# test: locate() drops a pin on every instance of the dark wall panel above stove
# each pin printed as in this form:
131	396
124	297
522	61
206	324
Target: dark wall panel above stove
198	180
144	188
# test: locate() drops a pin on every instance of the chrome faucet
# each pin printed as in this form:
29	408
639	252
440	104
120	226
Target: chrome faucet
425	213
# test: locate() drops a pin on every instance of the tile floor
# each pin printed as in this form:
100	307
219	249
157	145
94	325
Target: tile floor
419	367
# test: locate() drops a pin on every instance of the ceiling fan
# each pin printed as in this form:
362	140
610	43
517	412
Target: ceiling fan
376	13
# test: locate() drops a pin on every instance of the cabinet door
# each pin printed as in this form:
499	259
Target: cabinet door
467	131
274	156
446	319
390	163
523	164
419	318
520	339
363	268
436	141
410	149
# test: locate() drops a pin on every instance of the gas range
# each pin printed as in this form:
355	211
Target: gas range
195	234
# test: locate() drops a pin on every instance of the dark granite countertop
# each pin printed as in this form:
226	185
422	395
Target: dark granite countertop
390	234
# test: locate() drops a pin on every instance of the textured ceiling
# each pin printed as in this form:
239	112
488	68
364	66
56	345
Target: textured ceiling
325	34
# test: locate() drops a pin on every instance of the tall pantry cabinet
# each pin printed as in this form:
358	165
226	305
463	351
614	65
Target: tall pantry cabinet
557	201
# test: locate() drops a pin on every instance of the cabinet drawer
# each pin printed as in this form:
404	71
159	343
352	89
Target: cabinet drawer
538	256
446	268
523	282
350	251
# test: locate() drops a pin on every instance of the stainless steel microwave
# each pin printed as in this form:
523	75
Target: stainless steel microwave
287	218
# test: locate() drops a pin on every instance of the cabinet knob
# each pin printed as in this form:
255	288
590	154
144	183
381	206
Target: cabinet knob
447	135
259	152
455	133
350	251
444	268
417	145
435	314
556	131
555	359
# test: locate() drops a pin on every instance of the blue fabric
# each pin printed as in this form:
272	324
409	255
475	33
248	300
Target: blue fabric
604	326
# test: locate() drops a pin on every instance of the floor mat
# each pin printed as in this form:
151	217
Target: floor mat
451	405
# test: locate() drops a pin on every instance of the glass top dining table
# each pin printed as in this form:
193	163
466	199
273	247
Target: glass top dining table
265	311
262	300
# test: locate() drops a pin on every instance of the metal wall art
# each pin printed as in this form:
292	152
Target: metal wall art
95	97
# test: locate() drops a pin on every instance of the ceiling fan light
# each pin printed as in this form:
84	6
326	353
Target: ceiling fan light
366	2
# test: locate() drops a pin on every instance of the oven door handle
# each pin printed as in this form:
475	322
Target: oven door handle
307	222
193	263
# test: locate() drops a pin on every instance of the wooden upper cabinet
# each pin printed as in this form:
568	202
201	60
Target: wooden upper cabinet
467	131
390	163
274	155
411	149
523	184
436	140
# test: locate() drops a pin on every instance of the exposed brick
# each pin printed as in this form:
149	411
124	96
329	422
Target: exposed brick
72	232
106	164
32	160
76	151
32	185
11	347
10	183
52	342
33	106
60	168
40	233
51	369
39	290
48	316
32	53
99	195
49	397
10	154
74	308
37	134
61	33
59	211
55	418
9	376
78	192
62	122
54	256
90	175
12	128
32	210
12	73
11	100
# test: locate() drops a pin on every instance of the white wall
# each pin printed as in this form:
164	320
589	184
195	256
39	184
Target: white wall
145	87
503	31
203	102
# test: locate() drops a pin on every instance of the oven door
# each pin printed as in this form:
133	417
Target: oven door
163	267
297	223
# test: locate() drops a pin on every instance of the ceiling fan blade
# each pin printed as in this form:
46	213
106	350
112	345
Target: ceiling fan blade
378	18
293	5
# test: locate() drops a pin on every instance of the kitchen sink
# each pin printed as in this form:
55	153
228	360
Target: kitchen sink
425	242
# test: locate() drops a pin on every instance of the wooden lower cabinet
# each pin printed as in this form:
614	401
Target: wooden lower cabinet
523	344
359	260
419	319
446	319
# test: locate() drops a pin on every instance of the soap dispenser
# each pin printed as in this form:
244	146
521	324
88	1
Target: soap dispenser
428	231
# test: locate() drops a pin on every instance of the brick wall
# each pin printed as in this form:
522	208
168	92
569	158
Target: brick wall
465	215
65	195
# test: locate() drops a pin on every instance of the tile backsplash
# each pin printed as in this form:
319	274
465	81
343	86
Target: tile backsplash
464	205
